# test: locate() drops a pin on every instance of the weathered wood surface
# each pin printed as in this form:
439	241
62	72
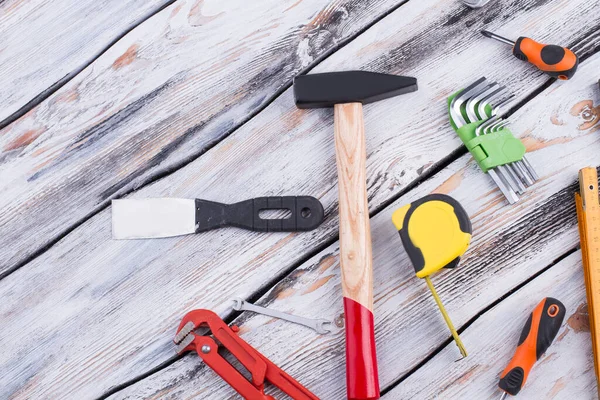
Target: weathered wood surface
45	42
104	311
510	245
154	101
135	114
566	371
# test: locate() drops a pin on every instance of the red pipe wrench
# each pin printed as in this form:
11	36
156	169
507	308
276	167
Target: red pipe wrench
260	367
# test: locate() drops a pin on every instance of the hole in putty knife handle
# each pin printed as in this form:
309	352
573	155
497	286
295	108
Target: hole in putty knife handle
287	213
279	213
263	214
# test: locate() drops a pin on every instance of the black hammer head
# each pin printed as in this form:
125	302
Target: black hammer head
328	89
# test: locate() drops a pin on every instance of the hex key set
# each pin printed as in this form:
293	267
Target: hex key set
475	116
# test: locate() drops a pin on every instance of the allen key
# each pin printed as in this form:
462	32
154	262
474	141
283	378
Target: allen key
474	113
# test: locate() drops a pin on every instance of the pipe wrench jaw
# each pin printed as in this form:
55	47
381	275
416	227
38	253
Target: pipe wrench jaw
187	339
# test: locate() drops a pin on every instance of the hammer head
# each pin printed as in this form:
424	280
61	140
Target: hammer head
328	89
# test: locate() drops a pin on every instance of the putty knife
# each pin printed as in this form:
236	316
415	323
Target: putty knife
165	217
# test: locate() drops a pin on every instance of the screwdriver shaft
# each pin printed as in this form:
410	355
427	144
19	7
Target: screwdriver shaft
459	343
499	38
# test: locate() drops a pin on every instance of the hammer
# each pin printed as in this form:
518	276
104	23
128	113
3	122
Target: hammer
347	92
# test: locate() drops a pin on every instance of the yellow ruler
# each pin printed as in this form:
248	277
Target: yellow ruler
588	216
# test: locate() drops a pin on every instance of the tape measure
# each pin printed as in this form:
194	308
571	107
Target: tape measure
435	232
588	217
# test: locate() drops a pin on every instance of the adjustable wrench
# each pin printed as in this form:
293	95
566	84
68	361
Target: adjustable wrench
317	325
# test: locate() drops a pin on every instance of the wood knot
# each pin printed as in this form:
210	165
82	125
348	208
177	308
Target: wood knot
588	113
339	321
580	321
127	57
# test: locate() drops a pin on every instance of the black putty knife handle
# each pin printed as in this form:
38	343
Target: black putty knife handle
307	214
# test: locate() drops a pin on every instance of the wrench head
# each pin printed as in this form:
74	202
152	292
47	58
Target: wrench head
491	128
490	100
322	327
237	303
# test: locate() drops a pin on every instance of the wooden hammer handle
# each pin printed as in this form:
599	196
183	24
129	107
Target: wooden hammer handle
355	252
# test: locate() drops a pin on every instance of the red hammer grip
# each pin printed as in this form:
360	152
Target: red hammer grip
362	380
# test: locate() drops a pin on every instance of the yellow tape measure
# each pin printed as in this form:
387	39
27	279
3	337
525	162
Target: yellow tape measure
435	232
588	217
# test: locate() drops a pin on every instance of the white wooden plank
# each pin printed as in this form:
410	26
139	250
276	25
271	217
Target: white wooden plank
43	42
172	87
130	124
564	372
510	244
132	294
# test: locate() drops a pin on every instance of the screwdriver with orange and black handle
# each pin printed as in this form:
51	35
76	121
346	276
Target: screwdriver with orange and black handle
538	333
558	62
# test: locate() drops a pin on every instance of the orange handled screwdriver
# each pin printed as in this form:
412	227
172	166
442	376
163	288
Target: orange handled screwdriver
558	62
537	335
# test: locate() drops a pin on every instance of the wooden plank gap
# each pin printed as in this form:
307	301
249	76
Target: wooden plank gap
425	176
169	171
148	373
47	246
465	326
41	97
241	318
193	157
585	40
